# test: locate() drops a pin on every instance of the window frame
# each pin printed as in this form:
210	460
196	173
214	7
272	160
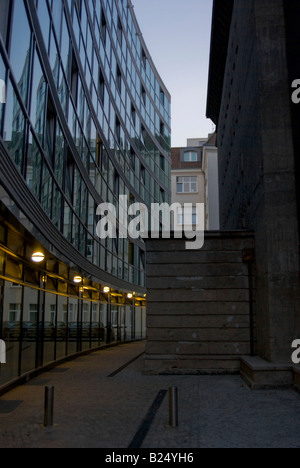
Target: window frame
184	181
181	215
190	154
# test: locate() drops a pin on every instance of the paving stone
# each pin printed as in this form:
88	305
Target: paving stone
94	411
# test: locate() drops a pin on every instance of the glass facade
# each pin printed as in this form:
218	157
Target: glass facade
45	316
86	118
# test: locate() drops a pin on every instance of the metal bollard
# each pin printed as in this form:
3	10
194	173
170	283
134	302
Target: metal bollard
49	406
173	407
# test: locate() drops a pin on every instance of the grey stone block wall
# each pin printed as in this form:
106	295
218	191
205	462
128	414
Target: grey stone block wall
258	164
198	312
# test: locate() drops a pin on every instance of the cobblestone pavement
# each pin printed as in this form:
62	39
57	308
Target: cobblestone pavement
93	410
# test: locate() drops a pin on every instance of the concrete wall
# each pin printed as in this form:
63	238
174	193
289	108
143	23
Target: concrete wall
257	166
198	312
239	130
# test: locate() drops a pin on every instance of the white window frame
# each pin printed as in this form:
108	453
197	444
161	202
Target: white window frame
189	156
189	184
186	216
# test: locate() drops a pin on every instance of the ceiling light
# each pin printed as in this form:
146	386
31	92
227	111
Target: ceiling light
106	289
77	279
38	257
129	296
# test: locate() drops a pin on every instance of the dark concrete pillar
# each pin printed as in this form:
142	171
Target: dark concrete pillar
276	218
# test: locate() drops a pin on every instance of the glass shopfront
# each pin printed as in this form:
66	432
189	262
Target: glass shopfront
40	327
45	317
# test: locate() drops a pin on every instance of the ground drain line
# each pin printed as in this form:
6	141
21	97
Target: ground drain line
142	433
125	365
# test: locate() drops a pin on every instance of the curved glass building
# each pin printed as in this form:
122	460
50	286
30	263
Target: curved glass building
84	118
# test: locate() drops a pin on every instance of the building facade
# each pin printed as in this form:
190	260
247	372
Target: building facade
187	184
194	178
211	176
84	118
253	64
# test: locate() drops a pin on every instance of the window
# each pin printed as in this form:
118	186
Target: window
120	31
47	191
74	79
33	312
78	4
119	79
103	26
69	176
143	174
144	58
20	48
34	167
162	97
50	131
14	312
38	102
2	89
190	156
187	185
53	313
116	184
144	135
143	92
187	216
132	158
101	86
65	44
162	128
142	260
118	130
133	114
14	127
44	19
131	254
4	8
99	151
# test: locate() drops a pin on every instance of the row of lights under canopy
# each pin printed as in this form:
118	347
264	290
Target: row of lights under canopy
39	257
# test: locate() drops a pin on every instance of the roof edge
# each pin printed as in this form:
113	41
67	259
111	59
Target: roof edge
221	24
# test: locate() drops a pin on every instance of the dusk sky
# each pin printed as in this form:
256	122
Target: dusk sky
177	34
